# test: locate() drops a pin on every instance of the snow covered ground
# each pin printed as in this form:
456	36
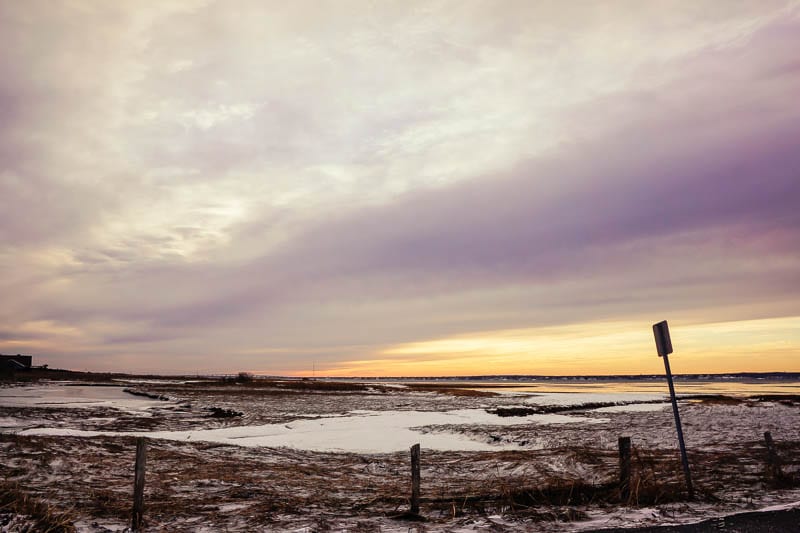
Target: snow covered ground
74	395
313	457
359	432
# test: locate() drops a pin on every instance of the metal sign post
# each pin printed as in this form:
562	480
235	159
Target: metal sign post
664	347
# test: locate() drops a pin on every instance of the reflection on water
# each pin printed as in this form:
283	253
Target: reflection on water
738	388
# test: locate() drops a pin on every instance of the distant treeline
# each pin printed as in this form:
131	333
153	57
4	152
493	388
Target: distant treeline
739	376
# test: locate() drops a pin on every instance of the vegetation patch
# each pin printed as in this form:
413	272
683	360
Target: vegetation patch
551	409
219	412
47	518
449	389
146	394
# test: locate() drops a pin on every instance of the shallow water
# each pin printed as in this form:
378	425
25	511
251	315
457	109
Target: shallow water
737	388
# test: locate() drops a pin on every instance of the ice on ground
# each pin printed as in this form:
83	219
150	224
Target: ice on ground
659	387
780	507
365	432
104	525
633	407
77	396
230	507
579	398
7	422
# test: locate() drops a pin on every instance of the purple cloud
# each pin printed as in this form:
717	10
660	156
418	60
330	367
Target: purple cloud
328	195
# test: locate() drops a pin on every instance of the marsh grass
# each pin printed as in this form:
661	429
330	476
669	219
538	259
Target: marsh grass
443	388
224	486
48	519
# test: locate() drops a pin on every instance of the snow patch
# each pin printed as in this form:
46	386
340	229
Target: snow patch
364	432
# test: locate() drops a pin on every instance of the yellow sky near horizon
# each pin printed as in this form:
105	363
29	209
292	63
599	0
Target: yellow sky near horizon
765	345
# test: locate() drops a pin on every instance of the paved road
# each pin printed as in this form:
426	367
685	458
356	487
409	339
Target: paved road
754	522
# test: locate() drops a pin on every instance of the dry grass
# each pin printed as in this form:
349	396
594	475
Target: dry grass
48	519
784	399
553	409
304	385
322	386
223	486
715	399
191	480
449	389
256	385
657	477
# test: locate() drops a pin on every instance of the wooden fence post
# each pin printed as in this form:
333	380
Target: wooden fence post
773	462
624	468
415	479
138	484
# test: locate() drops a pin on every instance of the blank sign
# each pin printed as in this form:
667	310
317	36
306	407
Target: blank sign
663	342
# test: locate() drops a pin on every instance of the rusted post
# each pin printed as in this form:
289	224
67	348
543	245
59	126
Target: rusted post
138	484
624	468
773	462
415	479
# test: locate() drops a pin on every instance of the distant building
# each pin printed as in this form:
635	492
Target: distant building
15	362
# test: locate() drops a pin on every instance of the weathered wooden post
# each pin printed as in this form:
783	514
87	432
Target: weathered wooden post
415	479
664	348
773	462
138	484
624	468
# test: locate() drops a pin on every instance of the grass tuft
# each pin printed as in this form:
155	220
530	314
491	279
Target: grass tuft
48	519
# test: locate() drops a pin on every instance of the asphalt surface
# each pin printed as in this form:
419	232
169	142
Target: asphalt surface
753	522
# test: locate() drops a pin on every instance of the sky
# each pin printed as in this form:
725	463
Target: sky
400	188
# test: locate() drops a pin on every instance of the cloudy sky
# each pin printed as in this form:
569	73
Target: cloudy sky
400	188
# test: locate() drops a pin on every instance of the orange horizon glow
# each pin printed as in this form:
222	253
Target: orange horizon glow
606	348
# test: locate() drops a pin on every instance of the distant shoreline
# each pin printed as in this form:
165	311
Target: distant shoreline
53	373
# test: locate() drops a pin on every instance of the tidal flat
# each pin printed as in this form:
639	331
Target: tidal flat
333	455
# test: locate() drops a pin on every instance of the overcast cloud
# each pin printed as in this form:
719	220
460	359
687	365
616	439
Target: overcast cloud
215	186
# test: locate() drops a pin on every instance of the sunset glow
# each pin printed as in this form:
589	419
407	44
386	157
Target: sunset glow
593	349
